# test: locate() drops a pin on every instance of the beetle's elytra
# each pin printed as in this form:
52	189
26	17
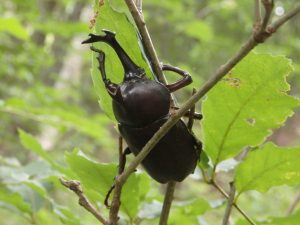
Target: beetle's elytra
142	106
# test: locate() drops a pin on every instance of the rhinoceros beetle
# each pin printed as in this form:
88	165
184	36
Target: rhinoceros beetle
141	106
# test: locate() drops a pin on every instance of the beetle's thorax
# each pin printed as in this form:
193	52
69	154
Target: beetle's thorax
141	102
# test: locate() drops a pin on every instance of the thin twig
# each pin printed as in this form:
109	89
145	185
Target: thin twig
74	186
268	5
229	204
215	78
257	12
167	203
116	202
293	205
278	23
223	192
146	40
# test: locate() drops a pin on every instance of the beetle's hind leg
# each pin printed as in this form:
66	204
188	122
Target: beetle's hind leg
111	87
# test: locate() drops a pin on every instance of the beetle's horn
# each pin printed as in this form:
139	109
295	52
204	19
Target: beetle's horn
130	68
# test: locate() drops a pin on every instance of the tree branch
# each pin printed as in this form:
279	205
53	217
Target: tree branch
229	204
215	78
167	203
146	40
74	186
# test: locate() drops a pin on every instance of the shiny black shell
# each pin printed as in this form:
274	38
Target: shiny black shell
173	158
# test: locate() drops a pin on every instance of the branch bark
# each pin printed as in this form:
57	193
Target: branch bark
146	40
229	204
74	186
167	203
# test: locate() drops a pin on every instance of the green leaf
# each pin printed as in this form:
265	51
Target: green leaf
242	109
134	191
14	27
30	143
68	217
16	200
290	220
187	213
126	35
96	178
267	167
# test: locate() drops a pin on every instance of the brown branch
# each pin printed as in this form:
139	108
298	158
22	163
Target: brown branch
229	204
167	203
257	15
74	186
146	40
268	5
278	23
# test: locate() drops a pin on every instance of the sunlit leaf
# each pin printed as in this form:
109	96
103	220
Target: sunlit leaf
242	109
14	27
267	167
96	178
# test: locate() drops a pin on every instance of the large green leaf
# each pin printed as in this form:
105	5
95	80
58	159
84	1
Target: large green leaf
97	178
268	167
242	109
126	35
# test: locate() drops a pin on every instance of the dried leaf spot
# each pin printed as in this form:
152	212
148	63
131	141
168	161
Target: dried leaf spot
234	82
251	121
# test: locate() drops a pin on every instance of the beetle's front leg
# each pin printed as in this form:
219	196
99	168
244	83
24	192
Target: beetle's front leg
111	87
186	77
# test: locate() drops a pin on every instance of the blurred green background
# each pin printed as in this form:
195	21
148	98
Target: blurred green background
46	90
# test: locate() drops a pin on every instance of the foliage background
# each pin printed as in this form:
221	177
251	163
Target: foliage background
46	90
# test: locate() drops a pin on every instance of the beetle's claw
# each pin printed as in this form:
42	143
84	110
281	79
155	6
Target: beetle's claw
91	39
109	32
95	38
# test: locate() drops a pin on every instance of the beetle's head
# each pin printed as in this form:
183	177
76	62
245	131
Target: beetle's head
131	70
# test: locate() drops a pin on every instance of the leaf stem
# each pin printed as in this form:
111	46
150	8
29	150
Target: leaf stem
229	204
223	192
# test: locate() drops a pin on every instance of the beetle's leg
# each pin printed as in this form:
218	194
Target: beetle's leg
186	77
112	88
122	163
